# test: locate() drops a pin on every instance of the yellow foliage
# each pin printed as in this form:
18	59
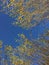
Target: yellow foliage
1	44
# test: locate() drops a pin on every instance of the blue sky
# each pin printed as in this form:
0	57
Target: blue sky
8	32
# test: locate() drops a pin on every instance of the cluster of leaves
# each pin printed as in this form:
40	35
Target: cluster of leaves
28	53
26	13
